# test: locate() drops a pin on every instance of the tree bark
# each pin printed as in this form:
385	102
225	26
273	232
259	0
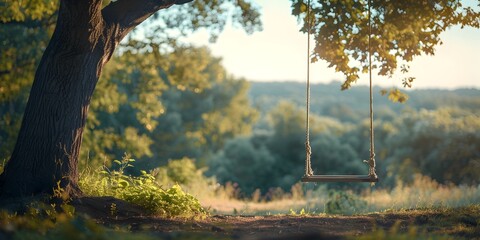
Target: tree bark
48	145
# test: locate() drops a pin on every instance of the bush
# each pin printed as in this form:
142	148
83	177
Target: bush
184	172
341	202
143	191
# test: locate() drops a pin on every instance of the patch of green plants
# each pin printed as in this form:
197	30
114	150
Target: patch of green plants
461	221
43	221
341	202
39	218
142	190
302	212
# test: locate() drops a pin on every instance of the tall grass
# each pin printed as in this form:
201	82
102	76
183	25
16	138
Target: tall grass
423	192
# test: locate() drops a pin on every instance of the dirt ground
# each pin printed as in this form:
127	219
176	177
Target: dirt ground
465	224
250	227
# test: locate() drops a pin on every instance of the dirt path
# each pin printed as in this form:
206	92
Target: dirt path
462	222
253	227
291	227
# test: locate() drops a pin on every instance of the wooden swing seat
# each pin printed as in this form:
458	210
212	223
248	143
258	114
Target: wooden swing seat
339	178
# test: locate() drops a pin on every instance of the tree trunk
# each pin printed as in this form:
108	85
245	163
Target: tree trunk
47	149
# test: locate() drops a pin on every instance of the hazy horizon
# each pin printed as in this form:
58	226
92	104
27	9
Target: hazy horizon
338	82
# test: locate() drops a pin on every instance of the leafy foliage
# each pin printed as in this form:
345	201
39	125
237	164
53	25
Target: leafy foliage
182	171
240	158
13	11
210	15
24	33
165	106
400	30
442	144
142	191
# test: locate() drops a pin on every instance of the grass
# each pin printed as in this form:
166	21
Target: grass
462	222
428	223
423	193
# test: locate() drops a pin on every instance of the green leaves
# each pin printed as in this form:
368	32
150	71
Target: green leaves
18	11
141	190
395	95
400	31
211	15
24	33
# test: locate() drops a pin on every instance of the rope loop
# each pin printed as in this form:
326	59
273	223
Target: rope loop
371	163
308	166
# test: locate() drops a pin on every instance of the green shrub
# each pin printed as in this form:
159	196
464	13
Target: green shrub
185	173
341	202
182	171
143	191
41	221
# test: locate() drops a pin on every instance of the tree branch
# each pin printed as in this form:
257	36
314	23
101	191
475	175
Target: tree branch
127	14
75	8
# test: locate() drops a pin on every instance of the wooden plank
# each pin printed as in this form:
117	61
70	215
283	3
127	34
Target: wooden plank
339	178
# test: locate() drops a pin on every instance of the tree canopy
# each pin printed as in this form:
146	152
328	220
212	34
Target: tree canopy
400	31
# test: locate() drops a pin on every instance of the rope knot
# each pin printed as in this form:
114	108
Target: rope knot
371	163
308	166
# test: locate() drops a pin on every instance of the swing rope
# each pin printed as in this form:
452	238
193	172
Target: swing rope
371	161
308	150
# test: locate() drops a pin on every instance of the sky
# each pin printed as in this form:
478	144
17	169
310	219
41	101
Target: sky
278	53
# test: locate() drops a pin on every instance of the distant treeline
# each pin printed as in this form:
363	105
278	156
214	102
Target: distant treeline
436	133
329	100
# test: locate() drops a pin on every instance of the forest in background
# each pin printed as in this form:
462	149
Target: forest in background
435	133
162	107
